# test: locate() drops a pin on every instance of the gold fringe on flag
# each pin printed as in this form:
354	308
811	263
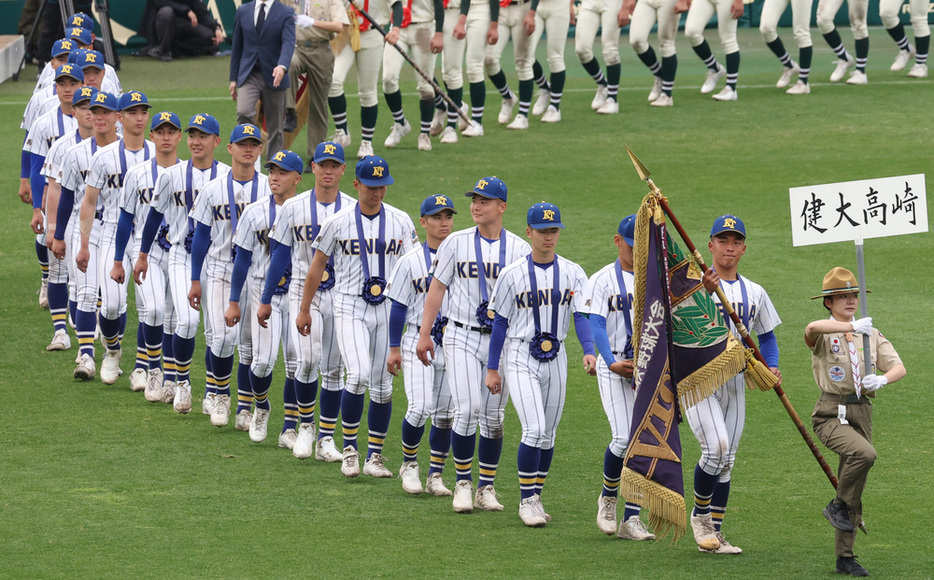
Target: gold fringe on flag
666	507
758	373
706	380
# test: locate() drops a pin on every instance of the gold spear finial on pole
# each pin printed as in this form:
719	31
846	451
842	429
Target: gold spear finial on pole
644	173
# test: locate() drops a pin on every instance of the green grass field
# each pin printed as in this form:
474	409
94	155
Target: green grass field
97	483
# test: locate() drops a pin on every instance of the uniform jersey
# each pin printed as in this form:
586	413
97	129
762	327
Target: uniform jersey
46	130
418	11
220	204
409	281
108	169
176	191
297	225
52	168
830	360
138	186
456	266
513	297
377	9
751	303
340	240
606	296
253	233
75	169
40	103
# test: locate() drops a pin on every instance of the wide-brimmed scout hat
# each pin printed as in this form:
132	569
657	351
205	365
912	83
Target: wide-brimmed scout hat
838	281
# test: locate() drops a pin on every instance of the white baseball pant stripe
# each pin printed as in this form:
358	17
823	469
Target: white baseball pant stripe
595	15
553	18
245	331
151	301
644	17
266	341
858	11
699	15
179	284
307	348
426	388
415	40
538	390
618	398
890	9
215	297
331	364
465	353
363	339
510	25
772	12
717	423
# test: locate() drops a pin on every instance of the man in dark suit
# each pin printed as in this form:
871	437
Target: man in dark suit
263	41
179	28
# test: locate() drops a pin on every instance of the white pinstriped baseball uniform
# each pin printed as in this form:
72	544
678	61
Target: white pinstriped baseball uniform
62	271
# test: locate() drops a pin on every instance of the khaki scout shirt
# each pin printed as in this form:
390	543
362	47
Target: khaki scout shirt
328	10
830	360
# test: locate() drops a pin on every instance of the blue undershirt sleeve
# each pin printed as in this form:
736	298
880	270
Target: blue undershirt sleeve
497	338
396	323
598	329
199	248
768	346
37	180
241	268
584	334
150	229
280	257
124	228
66	203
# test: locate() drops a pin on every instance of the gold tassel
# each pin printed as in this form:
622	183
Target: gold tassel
706	380
666	508
355	30
758	373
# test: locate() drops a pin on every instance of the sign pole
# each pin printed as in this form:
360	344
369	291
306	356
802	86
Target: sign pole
863	306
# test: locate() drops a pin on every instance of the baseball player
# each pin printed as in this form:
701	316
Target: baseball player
216	212
888	13
466	267
608	300
172	201
82	35
842	417
533	301
295	229
512	24
426	387
365	241
858	9
600	15
553	17
60	50
699	14
151	304
100	211
413	34
97	71
252	242
718	420
644	15
365	50
62	290
772	11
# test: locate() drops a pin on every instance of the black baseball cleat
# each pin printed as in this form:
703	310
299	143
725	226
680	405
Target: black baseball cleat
838	516
850	566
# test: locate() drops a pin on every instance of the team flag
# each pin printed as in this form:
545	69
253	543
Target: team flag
683	351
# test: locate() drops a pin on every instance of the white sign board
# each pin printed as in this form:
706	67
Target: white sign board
869	208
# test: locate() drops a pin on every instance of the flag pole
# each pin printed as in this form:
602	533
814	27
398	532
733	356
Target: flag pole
863	305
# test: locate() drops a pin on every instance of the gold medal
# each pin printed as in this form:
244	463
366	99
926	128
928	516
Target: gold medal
325	276
490	314
376	290
546	346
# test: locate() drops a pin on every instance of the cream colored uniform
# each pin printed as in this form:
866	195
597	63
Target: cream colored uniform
598	15
889	10
414	39
510	26
473	45
368	58
699	15
646	14
553	18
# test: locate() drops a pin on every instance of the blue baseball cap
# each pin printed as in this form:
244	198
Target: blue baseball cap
373	171
205	123
82	20
328	150
62	46
245	131
69	71
490	187
544	215
132	99
728	223
287	160
165	118
104	100
79	35
90	58
84	93
76	56
627	229
436	203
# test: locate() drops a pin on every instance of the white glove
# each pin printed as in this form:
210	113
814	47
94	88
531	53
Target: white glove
862	325
874	382
303	21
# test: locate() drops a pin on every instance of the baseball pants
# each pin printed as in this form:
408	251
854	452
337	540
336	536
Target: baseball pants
538	389
510	25
598	15
644	17
717	423
363	338
772	11
426	387
467	350
699	15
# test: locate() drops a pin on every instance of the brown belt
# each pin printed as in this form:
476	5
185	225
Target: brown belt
846	399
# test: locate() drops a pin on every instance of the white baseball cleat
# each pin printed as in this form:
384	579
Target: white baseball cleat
902	59
168	392
154	390
182	401
243	420
366	149
448	136
435	486
918	71
599	98
704	532
520	123
530	514
486	499
397	133
438	121
327	451
858	78
410	474
86	368
713	77
552	115
541	508
634	529
341	138
424	142
138	380
606	514
375	466
505	110
287	439
305	442
726	94
350	466
841	67
220	414
110	366
799	88
541	103
725	547
44	294
61	340
474	130
207	403
259	425
610	107
663	100
656	89
463	492
787	75
465	111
